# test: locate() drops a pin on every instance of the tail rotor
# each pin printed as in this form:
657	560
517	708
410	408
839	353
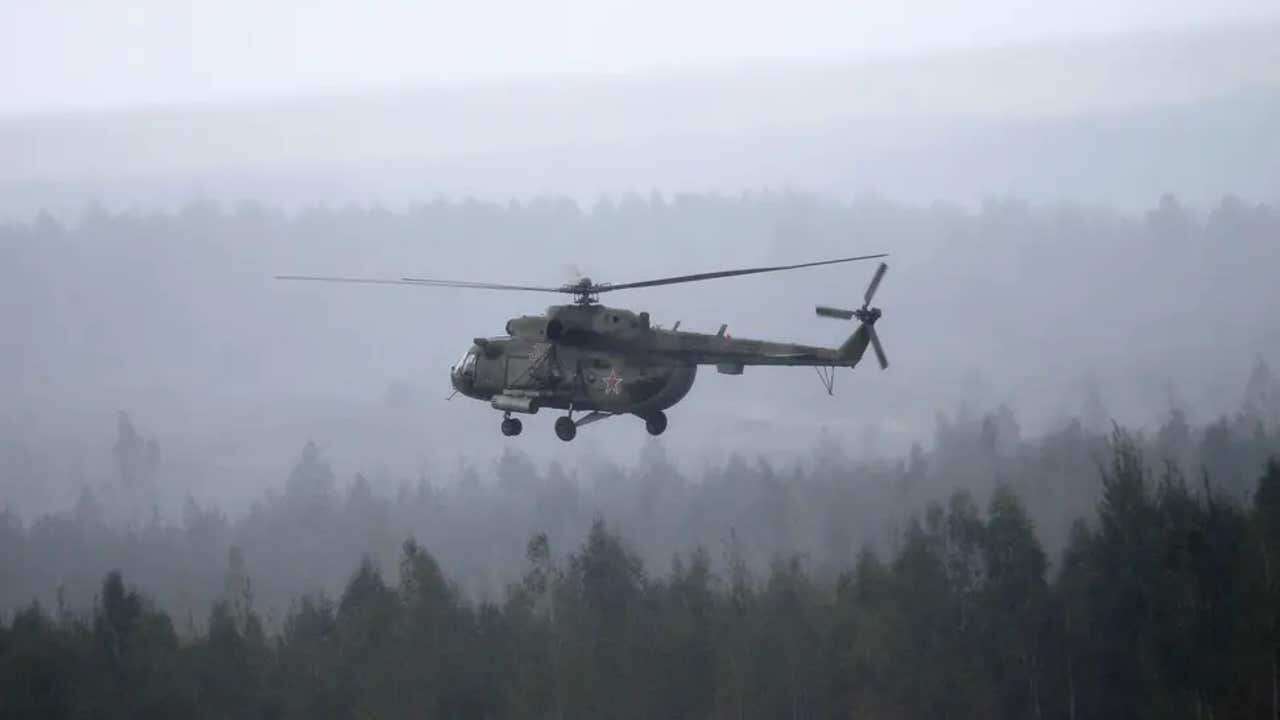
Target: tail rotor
867	315
875	285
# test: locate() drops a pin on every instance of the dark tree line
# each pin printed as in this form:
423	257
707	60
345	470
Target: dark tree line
305	535
1164	605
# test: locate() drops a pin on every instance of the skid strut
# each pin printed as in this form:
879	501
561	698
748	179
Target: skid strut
827	374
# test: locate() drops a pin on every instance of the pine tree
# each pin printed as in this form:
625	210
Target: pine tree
1266	512
1015	603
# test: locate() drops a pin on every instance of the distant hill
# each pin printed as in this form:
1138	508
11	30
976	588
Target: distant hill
1117	118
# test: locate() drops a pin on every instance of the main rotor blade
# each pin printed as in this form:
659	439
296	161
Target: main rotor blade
365	281
875	283
486	286
875	345
421	282
727	273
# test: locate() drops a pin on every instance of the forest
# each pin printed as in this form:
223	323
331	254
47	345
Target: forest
221	499
1158	596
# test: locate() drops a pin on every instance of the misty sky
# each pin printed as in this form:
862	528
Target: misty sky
61	54
713	136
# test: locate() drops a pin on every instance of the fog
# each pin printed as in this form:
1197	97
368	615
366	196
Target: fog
1119	119
105	54
1079	203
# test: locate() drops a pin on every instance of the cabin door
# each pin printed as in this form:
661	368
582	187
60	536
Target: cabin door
520	371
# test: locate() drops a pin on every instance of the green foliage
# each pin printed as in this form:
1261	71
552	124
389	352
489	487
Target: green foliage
1164	606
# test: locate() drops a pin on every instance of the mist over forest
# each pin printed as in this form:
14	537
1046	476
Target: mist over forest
226	495
175	319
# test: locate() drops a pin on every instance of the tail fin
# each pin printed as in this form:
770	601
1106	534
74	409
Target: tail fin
853	348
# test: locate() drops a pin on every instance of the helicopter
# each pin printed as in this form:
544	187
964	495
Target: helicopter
602	362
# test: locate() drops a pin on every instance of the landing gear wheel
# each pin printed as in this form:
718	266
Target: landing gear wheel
565	429
511	427
656	423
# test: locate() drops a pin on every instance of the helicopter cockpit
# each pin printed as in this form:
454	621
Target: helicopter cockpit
463	373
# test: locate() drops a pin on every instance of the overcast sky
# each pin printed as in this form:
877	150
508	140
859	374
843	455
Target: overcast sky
90	53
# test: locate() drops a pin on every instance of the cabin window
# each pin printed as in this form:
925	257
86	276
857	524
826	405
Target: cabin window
601	363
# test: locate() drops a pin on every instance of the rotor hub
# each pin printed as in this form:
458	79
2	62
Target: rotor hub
584	291
867	315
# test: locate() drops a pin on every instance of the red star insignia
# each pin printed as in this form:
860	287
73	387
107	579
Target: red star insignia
613	383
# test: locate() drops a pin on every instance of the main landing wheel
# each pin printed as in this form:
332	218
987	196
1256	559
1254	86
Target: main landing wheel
656	423
565	429
511	427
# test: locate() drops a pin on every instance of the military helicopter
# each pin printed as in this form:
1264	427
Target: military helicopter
601	361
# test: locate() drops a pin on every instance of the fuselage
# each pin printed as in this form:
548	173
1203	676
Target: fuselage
521	374
611	360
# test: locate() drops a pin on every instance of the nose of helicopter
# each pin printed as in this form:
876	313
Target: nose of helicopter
463	373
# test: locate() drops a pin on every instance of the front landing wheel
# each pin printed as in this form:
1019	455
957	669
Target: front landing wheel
565	429
511	427
656	423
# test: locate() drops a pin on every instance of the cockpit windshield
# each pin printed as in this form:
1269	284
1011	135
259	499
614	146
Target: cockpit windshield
466	366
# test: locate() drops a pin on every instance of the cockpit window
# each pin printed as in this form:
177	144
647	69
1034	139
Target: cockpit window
466	365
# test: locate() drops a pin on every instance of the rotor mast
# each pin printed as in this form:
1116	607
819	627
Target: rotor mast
584	292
